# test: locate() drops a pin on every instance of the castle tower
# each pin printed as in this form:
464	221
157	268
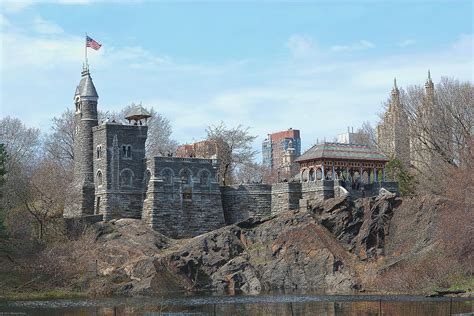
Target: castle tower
85	118
119	166
393	133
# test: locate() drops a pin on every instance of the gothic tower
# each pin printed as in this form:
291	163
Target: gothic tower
434	136
85	118
393	133
424	130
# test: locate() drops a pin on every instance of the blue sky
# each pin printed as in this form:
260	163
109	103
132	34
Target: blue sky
319	66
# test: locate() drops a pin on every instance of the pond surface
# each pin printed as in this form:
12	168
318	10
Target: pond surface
245	305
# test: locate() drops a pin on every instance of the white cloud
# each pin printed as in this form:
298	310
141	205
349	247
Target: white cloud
406	42
16	5
300	45
21	50
360	45
4	22
45	27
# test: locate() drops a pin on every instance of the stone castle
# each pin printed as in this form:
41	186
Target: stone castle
180	196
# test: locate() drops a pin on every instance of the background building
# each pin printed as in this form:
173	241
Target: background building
208	149
275	147
393	136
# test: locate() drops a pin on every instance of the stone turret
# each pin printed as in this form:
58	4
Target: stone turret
85	118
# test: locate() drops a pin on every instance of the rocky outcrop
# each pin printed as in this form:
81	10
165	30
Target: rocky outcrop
360	225
305	249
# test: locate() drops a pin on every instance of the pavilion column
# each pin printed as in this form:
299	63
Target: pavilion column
383	174
360	175
333	170
375	175
322	172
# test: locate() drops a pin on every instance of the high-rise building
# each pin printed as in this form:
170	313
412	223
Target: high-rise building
393	135
276	146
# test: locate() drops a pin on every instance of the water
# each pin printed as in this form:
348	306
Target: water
245	305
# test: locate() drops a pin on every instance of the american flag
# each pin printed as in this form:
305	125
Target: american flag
92	43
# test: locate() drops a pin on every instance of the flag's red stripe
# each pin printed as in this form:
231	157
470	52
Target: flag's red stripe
93	44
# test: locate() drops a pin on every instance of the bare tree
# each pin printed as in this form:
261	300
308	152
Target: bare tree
253	173
22	146
22	143
447	129
59	144
235	146
366	135
41	192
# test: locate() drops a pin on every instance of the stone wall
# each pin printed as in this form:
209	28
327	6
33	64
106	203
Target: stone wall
243	201
183	198
317	189
285	196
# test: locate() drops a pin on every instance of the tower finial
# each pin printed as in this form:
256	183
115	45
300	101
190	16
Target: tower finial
395	83
429	75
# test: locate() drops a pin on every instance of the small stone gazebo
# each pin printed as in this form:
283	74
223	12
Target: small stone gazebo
338	161
137	115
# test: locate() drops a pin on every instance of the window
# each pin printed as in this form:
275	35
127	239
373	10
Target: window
127	151
126	177
99	178
185	176
97	209
99	151
204	178
167	176
319	174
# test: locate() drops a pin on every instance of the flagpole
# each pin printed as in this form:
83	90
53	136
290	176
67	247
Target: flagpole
85	50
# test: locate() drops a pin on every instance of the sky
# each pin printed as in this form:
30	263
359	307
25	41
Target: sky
317	66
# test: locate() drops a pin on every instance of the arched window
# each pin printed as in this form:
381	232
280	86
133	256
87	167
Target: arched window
126	177
185	176
204	177
167	176
99	178
147	178
311	174
304	175
319	174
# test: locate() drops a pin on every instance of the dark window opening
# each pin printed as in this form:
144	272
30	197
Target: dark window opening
127	151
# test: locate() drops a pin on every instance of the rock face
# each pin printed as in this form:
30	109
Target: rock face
360	225
320	249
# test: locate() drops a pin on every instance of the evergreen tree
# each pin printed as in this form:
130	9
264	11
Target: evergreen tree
396	171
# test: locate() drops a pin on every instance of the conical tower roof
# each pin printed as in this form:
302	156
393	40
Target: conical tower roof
86	87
